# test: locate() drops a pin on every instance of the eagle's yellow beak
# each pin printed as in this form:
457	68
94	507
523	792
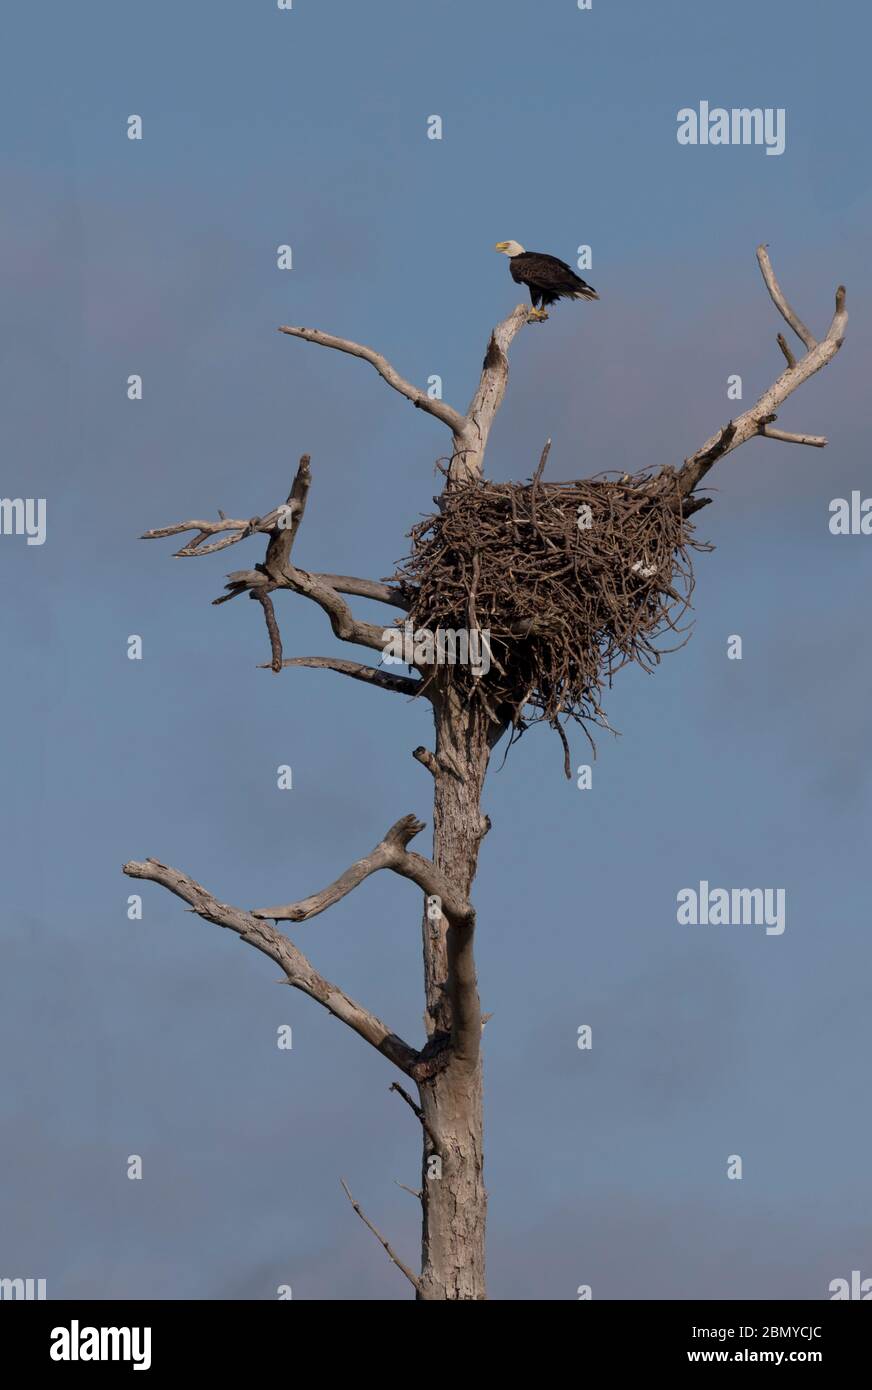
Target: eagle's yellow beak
501	246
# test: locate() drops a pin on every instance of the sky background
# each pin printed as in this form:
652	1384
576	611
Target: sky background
158	257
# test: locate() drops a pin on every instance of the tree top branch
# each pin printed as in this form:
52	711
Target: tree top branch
440	409
758	420
470	431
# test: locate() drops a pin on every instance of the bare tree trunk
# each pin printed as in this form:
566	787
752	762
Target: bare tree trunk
453	1194
455	1203
447	1070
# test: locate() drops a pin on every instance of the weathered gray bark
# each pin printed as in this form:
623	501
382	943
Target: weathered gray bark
454	1204
453	1193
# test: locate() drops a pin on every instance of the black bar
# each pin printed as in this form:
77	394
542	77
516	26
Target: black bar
253	1337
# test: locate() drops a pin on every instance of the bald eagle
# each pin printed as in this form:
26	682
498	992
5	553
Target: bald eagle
547	278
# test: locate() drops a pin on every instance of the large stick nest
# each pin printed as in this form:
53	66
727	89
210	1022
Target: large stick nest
572	580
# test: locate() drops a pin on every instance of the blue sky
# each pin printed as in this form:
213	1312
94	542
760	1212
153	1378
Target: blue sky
158	258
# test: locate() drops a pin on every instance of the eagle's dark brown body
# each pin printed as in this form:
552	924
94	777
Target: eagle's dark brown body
548	278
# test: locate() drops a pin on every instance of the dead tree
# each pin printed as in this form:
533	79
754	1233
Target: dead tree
489	544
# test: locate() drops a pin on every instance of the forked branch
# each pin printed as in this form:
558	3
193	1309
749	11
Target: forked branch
758	420
299	971
277	572
389	853
470	431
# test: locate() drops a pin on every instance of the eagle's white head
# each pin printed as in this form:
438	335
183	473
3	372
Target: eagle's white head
510	248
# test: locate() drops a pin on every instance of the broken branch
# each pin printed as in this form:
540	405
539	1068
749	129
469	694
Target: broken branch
272	627
786	349
416	1109
817	441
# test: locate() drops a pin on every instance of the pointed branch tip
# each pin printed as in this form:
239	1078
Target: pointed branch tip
412	1278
